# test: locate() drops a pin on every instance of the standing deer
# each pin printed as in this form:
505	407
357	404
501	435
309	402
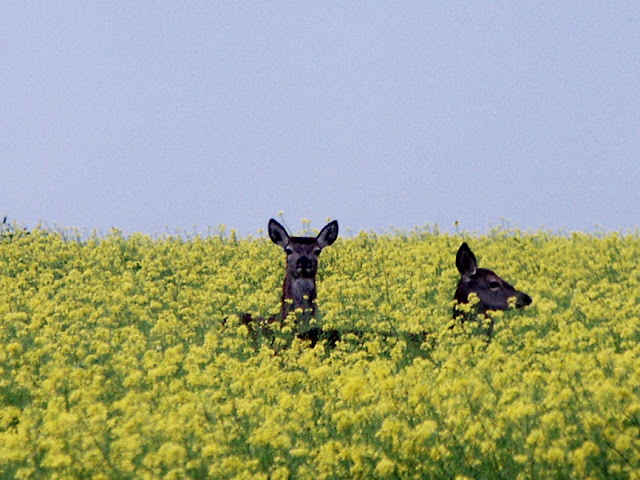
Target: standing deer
492	291
299	287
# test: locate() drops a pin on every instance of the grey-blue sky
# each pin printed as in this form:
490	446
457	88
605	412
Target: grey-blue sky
156	116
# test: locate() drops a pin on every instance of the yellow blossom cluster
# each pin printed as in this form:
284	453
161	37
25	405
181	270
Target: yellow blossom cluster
125	357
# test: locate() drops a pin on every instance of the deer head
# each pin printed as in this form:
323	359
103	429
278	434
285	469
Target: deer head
492	291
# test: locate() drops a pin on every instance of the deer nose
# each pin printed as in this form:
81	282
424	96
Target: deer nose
524	300
304	263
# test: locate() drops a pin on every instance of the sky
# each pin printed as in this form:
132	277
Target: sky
159	117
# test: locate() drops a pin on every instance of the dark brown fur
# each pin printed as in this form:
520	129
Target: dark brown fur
299	286
492	291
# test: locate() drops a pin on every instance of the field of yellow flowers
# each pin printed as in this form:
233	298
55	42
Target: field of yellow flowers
116	361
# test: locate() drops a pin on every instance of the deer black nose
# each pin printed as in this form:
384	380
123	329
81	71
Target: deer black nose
525	300
304	263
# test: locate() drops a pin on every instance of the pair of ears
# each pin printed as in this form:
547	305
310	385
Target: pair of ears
465	259
326	237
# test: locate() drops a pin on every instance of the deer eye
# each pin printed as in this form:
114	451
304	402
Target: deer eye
317	251
288	251
494	285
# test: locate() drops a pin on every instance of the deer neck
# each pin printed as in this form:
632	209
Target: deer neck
299	293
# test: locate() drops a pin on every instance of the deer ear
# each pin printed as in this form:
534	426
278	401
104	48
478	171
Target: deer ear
278	234
328	234
466	260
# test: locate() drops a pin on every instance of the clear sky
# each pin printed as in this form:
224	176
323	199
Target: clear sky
157	116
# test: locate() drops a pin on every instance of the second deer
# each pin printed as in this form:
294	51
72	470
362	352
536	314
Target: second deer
492	291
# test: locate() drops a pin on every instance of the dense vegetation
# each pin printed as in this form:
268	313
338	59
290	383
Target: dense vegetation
115	361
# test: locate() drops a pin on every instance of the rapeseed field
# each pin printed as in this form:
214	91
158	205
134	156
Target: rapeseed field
123	357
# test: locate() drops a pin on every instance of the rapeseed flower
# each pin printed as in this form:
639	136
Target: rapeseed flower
125	357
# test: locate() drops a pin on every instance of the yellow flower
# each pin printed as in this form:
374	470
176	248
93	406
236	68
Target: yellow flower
385	467
127	354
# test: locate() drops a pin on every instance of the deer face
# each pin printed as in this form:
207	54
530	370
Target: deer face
492	291
302	252
302	259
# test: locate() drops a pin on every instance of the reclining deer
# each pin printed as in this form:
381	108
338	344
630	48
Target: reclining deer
492	291
299	287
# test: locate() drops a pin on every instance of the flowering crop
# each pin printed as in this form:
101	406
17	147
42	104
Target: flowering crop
124	357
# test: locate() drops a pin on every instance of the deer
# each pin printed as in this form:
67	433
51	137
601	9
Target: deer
492	291
299	290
